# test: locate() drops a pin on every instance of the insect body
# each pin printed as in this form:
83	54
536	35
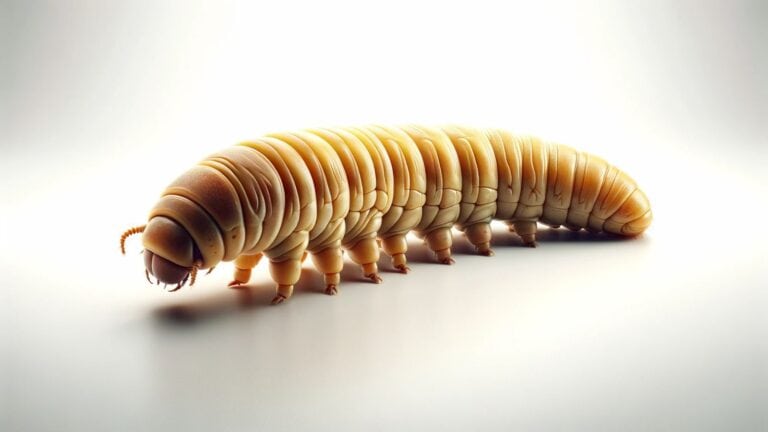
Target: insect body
360	189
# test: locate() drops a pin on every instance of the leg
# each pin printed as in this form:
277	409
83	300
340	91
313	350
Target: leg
479	235
366	253
329	262
286	274
396	246
285	264
440	241
527	231
243	266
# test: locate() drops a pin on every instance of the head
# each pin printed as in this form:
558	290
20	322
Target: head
170	253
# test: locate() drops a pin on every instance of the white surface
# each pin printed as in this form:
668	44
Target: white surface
103	105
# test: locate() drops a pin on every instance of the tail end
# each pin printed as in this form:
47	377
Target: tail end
632	218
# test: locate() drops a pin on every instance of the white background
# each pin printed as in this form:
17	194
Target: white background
103	103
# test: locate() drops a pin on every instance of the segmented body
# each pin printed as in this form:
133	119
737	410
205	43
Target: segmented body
321	190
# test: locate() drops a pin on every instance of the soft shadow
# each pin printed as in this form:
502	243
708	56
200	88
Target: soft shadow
352	272
223	303
248	298
418	252
557	235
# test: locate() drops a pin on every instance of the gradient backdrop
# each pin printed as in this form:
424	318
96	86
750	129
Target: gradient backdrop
104	103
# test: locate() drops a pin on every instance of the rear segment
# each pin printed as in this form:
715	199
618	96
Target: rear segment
632	218
602	197
554	184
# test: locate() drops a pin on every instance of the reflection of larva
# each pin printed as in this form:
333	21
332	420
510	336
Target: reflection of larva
321	190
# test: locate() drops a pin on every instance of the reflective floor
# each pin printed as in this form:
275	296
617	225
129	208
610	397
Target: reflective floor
666	331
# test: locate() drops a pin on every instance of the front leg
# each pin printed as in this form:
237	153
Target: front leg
286	274
243	267
285	264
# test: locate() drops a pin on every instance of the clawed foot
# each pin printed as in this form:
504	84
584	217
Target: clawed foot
531	244
278	299
447	261
374	277
235	284
486	252
331	289
402	268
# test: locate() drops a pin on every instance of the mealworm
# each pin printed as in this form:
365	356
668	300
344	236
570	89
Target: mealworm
318	191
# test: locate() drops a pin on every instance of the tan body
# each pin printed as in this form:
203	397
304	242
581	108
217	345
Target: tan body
318	191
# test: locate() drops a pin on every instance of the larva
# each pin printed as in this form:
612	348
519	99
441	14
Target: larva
360	189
